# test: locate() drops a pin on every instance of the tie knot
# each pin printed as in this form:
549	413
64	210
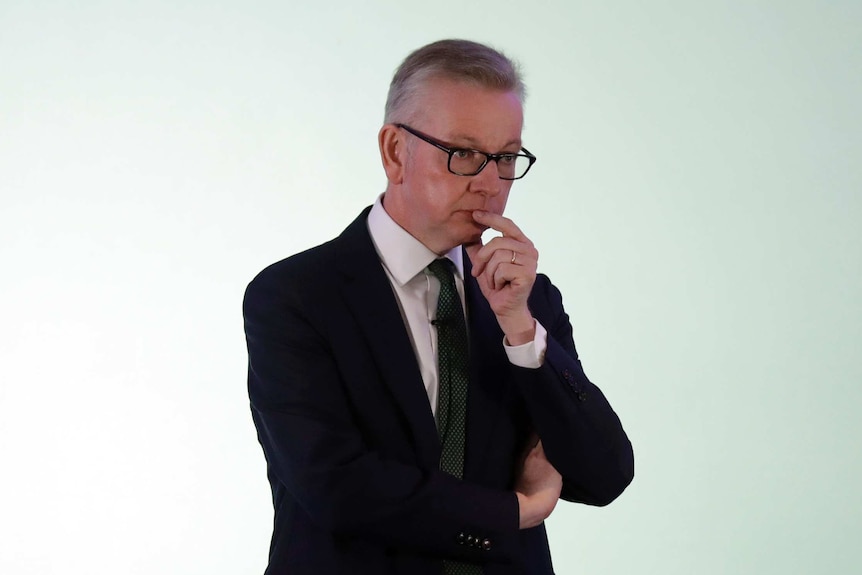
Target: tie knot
442	269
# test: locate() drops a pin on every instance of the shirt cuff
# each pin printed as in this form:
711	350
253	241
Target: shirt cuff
531	354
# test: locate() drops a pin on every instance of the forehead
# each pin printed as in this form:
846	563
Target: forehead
459	112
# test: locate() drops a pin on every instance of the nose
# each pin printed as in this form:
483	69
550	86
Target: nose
487	181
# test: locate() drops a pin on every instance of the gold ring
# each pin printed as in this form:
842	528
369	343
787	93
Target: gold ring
513	257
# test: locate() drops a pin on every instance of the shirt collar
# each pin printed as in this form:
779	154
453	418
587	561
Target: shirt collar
403	255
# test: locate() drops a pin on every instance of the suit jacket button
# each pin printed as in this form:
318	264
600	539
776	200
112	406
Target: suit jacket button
582	395
486	544
471	540
461	538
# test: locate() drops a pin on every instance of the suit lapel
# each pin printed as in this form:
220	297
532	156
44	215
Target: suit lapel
369	295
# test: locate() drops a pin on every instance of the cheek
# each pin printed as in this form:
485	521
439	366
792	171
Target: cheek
443	192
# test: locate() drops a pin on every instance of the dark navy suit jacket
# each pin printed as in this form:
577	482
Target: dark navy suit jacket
349	437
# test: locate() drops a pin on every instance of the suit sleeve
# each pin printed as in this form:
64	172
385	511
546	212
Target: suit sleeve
581	434
316	450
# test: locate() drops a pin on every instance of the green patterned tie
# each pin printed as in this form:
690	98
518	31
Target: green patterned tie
453	370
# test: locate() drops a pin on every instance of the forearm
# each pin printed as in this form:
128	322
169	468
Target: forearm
350	490
582	436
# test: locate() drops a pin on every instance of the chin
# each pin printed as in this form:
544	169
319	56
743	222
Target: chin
473	238
467	233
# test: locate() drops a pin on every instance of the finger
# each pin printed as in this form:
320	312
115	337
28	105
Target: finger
473	248
500	223
484	280
511	249
503	269
504	273
524	252
477	258
491	261
517	275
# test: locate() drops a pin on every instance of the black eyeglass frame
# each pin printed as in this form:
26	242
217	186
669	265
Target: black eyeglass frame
488	157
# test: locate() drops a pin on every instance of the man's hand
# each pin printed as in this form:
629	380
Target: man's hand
505	268
538	487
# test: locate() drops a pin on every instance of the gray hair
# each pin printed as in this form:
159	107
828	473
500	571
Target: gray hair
458	60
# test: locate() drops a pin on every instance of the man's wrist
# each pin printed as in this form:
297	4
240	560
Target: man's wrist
519	331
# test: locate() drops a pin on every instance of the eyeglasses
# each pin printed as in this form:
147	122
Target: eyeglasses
469	162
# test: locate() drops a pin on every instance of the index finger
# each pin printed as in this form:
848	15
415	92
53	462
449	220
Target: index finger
497	222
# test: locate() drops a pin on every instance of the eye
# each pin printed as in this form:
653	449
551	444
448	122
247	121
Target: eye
507	159
461	154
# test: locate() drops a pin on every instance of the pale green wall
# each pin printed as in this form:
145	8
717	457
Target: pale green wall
697	200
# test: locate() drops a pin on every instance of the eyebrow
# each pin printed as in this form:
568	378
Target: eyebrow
473	142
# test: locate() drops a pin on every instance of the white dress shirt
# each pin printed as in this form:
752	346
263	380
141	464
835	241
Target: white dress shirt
405	260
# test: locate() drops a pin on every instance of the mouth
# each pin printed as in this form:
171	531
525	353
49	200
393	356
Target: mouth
470	211
468	214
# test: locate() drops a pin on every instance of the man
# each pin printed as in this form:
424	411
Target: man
399	438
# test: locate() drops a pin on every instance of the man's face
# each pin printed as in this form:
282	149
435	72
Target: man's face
433	204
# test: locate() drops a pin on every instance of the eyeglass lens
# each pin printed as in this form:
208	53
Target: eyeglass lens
469	162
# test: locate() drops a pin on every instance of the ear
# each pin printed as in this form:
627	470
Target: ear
392	152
